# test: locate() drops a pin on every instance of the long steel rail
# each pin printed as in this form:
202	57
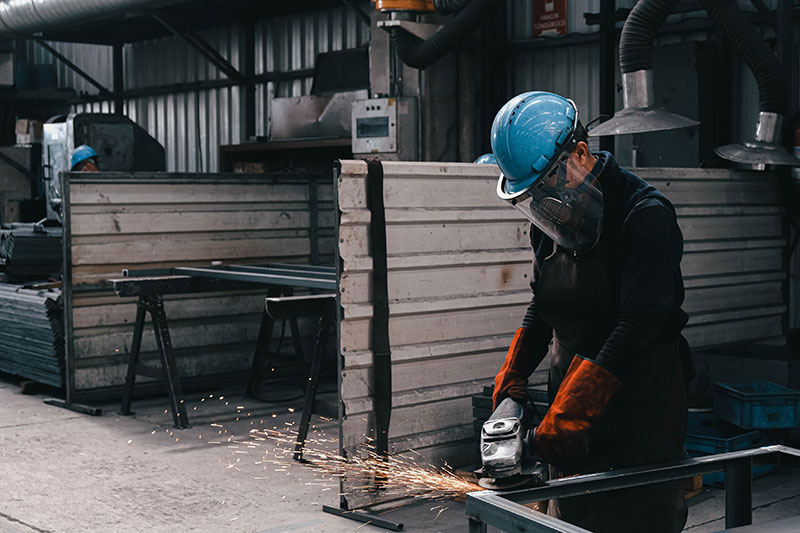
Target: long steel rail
505	510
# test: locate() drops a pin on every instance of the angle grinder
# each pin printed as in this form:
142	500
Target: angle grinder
505	442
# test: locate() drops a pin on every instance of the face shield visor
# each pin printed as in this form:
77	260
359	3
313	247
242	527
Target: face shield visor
566	203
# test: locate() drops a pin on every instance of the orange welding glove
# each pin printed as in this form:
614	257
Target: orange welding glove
581	402
512	379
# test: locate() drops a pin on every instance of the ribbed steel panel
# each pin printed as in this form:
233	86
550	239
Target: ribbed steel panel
458	286
95	60
192	125
292	43
157	220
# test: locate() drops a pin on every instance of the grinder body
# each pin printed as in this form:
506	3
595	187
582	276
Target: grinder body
504	440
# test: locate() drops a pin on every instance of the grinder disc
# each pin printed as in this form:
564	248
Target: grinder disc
504	483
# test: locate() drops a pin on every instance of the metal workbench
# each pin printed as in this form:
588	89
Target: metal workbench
505	510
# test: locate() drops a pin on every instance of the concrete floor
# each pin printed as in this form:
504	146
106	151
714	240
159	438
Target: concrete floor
63	471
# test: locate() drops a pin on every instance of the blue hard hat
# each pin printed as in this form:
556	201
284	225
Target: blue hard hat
81	154
486	159
528	133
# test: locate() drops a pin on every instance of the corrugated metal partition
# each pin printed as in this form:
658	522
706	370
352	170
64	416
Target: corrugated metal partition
144	220
459	263
734	240
193	123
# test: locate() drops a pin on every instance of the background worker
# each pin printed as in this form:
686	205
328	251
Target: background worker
84	159
607	289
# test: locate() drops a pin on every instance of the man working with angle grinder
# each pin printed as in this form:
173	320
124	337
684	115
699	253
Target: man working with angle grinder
607	290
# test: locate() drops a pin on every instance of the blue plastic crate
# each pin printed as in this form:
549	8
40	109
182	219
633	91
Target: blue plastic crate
707	435
757	405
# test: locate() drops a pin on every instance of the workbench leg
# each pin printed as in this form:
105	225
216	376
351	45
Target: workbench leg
299	354
180	420
476	526
739	493
133	358
311	387
260	360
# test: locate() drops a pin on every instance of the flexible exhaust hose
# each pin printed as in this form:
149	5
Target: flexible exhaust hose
639	31
445	7
420	54
755	52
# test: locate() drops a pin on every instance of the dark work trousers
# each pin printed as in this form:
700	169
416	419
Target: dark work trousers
646	423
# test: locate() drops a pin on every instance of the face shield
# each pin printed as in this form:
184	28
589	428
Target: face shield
566	203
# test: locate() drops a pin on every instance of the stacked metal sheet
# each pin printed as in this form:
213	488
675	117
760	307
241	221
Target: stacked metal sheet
32	334
29	251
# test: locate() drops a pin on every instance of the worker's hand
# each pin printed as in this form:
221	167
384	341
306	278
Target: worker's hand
582	401
512	379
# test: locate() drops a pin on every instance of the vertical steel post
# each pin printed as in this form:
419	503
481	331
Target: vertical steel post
608	75
249	74
476	526
786	52
119	80
739	493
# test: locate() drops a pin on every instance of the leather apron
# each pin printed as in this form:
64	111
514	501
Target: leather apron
578	296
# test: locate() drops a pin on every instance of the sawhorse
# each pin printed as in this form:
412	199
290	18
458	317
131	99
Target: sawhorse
322	306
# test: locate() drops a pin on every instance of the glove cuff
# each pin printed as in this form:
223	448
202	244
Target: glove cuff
512	379
582	401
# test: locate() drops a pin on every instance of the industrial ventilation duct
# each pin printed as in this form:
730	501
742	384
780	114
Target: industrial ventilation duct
420	54
765	149
25	17
639	113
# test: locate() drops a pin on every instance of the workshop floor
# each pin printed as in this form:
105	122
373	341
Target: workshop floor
62	472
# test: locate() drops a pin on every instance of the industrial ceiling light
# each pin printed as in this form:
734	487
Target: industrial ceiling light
639	113
765	148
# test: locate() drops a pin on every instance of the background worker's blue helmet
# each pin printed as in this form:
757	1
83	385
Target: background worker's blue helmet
486	159
529	133
81	154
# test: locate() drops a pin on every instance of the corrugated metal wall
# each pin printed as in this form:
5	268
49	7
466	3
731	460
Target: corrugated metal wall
458	288
193	124
734	240
573	70
141	220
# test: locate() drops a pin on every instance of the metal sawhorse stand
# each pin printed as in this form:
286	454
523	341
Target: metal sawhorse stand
292	308
153	285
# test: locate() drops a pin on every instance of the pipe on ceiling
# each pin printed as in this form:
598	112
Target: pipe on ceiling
26	17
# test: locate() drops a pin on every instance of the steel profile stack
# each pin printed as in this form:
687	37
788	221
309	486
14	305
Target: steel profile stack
29	251
32	334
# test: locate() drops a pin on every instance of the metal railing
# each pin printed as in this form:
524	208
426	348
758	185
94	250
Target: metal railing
505	510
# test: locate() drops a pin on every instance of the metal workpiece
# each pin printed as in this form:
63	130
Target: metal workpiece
310	116
505	510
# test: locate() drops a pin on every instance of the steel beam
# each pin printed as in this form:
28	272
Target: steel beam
309	281
72	66
249	74
608	73
119	83
205	49
504	509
